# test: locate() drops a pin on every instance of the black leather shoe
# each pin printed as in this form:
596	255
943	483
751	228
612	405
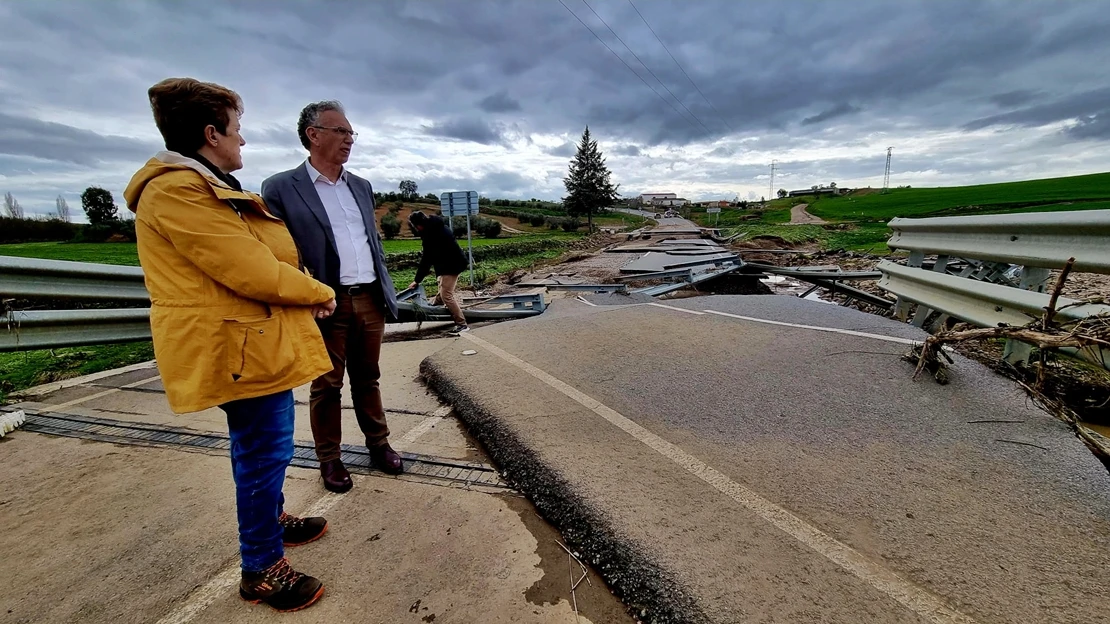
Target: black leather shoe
336	477
387	460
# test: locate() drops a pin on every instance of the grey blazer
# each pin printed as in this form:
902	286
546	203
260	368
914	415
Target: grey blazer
292	197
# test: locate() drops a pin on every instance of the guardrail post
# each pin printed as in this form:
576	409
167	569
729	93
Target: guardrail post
923	311
901	305
1034	279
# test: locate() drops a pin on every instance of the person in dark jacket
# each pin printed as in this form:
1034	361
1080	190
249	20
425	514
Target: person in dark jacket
441	252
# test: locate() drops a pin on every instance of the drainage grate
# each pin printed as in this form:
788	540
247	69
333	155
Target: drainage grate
356	458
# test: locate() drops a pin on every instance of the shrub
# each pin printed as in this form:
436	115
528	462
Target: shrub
538	220
571	225
94	233
391	225
31	230
490	228
396	207
523	217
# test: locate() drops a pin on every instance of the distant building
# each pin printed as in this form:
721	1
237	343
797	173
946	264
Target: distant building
818	191
671	201
714	203
649	199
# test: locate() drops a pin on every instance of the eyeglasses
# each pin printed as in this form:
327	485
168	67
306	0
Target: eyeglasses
340	130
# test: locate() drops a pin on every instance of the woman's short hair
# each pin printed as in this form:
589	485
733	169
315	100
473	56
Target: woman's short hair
184	107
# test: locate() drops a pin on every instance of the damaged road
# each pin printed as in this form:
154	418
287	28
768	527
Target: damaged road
769	459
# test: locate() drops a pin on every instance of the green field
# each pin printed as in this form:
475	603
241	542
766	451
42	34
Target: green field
1072	193
859	220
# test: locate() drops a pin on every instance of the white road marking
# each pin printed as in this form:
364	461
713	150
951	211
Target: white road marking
881	578
586	302
834	330
660	305
423	427
97	395
203	596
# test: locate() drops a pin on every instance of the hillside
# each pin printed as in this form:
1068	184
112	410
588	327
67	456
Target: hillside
1071	193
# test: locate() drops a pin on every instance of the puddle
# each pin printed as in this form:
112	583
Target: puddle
1104	430
595	603
781	285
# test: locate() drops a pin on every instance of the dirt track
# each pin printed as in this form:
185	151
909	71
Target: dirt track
798	215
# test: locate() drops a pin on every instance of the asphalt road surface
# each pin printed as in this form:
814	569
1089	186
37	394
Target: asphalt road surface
770	459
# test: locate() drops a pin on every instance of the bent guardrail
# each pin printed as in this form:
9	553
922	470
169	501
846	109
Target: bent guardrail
992	270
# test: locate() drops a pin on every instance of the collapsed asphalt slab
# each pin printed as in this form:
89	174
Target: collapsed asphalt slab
966	495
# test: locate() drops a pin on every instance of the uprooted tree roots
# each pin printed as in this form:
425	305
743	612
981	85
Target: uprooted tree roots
1047	335
1044	333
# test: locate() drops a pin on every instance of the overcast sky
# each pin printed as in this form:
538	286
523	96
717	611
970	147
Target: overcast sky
491	95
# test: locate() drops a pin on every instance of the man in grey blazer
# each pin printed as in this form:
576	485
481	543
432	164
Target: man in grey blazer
330	213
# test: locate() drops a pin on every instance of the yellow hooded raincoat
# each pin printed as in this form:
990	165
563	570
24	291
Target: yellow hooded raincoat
230	306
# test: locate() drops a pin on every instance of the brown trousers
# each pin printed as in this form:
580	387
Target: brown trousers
353	336
450	296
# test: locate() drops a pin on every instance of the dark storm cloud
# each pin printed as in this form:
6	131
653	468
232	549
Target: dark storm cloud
1095	126
414	74
25	136
474	130
839	110
1014	98
1078	105
499	102
566	150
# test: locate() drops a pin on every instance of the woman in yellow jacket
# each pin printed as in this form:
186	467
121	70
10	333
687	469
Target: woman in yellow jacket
232	316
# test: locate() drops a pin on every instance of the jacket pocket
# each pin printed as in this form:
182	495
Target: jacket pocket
258	350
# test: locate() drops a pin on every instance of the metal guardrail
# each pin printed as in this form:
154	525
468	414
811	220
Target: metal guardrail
1008	259
48	329
980	303
31	278
1039	239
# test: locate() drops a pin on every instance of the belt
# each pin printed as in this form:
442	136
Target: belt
357	288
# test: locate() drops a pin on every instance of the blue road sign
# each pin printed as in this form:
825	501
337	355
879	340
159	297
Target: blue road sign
459	203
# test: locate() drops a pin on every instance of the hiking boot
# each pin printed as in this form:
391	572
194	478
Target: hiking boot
299	531
281	587
458	329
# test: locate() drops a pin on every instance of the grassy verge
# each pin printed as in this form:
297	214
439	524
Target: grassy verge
863	237
24	369
485	271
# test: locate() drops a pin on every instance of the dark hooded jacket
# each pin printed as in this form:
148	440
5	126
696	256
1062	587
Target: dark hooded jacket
441	251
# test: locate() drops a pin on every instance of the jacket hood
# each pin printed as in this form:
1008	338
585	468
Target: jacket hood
164	162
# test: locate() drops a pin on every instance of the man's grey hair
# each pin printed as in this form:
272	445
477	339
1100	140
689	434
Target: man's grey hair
310	116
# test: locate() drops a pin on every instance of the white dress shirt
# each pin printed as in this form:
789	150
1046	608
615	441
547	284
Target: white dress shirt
356	260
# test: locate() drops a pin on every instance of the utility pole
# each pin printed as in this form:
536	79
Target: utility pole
886	175
772	193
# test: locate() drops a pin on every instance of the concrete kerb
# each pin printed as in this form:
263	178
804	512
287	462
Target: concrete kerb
629	568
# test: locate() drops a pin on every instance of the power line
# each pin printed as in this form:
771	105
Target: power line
653	89
637	57
722	117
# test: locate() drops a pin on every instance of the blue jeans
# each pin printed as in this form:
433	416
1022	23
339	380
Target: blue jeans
261	432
